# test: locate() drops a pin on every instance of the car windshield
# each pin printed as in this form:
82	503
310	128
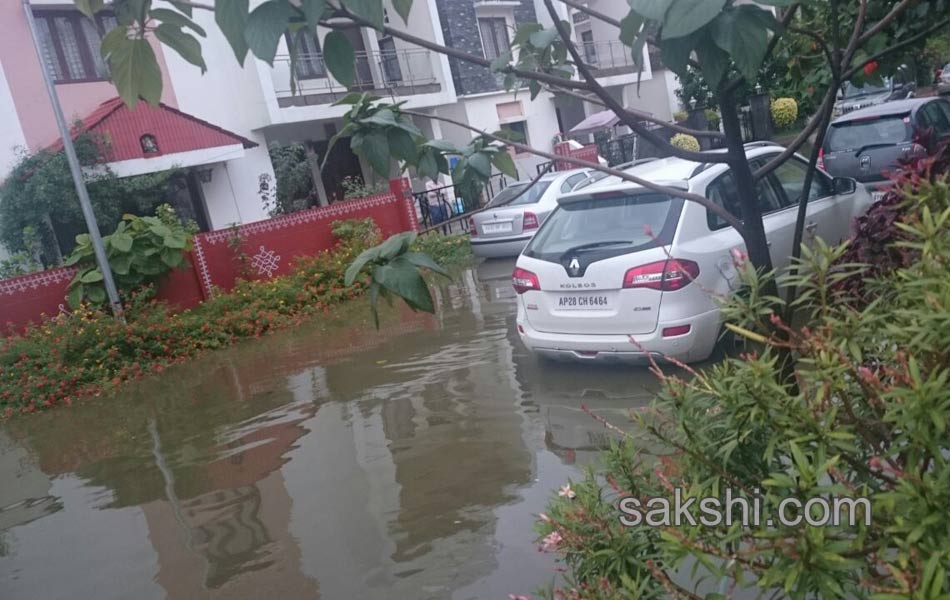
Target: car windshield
530	197
853	135
851	90
627	222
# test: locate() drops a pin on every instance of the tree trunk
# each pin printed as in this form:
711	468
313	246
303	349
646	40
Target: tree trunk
756	244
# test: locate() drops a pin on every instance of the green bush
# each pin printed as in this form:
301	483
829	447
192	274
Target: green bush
856	405
713	118
685	142
140	250
680	116
784	112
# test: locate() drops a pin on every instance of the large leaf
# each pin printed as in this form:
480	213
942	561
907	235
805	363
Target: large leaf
121	241
653	10
424	260
89	7
403	279
313	11
428	166
376	150
403	7
402	146
742	35
339	57
713	61
265	26
396	245
135	71
91	276
74	297
630	27
504	163
543	38
183	43
371	10
686	16
171	257
676	54
121	264
231	17
177	19
96	294
481	163
358	263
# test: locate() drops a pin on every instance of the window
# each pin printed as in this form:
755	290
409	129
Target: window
309	58
590	50
932	116
149	144
532	196
571	181
390	60
852	135
791	179
519	129
723	192
494	32
70	44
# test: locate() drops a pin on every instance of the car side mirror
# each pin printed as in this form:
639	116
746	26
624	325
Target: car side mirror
845	185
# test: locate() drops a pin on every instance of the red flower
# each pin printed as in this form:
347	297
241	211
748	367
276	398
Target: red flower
870	67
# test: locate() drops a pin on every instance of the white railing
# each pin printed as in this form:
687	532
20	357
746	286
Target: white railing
608	55
397	72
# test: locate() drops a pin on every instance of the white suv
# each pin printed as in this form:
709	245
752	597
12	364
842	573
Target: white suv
617	262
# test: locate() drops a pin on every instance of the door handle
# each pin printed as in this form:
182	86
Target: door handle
811	227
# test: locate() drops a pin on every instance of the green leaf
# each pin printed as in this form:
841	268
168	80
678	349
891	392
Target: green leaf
177	19
504	163
358	263
376	151
112	41
135	71
481	163
231	17
403	279
185	44
428	166
74	297
313	11
443	146
653	10
402	146
402	9
121	264
96	294
90	7
738	33
396	244
339	57
171	257
93	275
181	6
174	241
371	10
544	38
713	61
676	54
265	26
535	88
121	241
351	98
630	27
424	260
686	16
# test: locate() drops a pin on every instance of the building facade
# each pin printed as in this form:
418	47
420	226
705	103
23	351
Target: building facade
256	106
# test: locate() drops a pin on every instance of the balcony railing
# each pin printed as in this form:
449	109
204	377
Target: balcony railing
390	72
608	58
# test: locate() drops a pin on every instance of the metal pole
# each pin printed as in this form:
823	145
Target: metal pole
76	171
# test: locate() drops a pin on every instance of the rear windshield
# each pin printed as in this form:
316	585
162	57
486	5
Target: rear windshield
857	134
607	225
851	90
530	197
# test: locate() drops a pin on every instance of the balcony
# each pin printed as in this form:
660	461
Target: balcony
397	72
609	58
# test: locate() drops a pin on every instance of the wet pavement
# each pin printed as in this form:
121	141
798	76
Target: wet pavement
331	461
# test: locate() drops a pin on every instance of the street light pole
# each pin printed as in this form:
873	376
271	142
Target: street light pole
76	171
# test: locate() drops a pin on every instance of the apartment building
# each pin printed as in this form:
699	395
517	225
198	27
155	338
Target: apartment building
216	127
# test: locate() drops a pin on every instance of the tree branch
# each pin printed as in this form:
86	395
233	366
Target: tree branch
678	193
801	138
898	46
887	20
594	86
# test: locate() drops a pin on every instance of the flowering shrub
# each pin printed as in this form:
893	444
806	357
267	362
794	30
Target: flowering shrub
784	112
355	187
88	352
863	414
685	141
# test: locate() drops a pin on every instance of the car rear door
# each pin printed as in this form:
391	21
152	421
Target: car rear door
827	215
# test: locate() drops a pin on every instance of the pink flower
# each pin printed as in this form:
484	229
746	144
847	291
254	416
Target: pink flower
550	542
544	518
738	256
566	492
514	597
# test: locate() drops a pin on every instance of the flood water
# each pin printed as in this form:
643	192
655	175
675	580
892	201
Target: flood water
331	461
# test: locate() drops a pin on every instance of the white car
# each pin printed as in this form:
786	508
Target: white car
618	271
507	226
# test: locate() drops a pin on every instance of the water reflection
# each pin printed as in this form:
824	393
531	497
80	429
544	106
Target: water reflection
331	461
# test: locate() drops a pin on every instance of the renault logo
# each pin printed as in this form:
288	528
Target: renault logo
574	266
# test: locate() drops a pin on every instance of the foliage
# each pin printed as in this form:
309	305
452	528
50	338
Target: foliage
25	261
445	250
680	116
784	112
294	173
39	193
355	187
685	141
713	118
864	416
140	251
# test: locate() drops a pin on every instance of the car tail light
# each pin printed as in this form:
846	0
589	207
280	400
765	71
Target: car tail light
524	280
821	158
530	221
665	275
675	331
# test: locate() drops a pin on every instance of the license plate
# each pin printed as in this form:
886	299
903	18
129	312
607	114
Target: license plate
876	196
583	302
496	227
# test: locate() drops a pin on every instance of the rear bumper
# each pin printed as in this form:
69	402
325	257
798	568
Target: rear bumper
495	248
694	346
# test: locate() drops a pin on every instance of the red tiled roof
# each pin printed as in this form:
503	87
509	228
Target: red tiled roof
174	130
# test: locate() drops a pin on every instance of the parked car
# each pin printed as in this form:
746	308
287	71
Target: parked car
943	80
619	272
901	85
507	226
867	143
